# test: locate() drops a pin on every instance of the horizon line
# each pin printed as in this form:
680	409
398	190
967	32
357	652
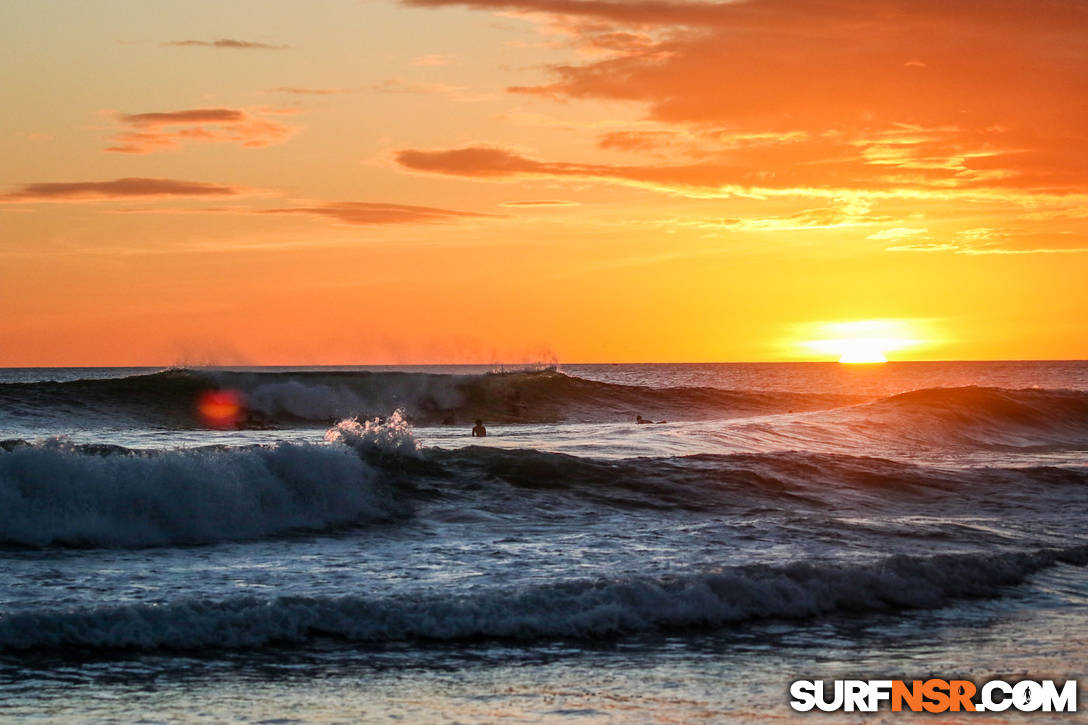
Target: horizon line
185	366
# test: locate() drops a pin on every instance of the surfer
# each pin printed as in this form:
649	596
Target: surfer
642	421
478	430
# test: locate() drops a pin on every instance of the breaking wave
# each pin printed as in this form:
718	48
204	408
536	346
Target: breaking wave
269	399
570	609
109	496
940	417
61	494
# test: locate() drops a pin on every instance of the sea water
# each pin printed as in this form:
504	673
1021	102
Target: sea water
339	549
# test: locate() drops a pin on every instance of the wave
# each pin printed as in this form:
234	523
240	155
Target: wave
936	417
571	609
990	417
60	494
731	481
109	496
267	399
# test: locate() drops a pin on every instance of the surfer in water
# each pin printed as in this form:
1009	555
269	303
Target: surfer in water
642	421
478	430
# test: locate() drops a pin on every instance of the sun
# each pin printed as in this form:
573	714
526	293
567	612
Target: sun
861	351
862	341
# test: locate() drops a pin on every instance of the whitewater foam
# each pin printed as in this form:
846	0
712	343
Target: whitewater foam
386	436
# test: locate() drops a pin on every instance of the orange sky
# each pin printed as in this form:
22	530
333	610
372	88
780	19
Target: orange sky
278	182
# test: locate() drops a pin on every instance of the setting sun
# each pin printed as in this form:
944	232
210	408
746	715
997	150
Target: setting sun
864	341
862	351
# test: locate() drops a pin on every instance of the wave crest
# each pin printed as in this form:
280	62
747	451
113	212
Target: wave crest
574	609
985	416
59	494
170	398
62	494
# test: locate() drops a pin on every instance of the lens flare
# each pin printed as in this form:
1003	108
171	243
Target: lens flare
220	408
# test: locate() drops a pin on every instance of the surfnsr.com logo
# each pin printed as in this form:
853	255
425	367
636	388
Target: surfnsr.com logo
933	695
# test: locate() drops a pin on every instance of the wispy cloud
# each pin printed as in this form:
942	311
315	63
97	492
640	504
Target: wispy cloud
539	202
127	188
636	140
357	213
755	172
983	251
228	43
943	247
897	233
370	213
979	241
148	133
804	220
1039	250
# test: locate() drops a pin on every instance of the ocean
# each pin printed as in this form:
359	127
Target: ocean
319	545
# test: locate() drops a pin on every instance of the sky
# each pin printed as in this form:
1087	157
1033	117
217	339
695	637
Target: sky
428	181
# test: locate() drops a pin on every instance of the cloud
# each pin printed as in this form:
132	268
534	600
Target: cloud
923	248
181	210
474	161
169	130
1040	250
639	12
755	171
229	43
539	202
944	94
977	235
488	162
983	251
636	140
992	241
133	189
174	118
1023	240
128	188
804	220
897	233
369	213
